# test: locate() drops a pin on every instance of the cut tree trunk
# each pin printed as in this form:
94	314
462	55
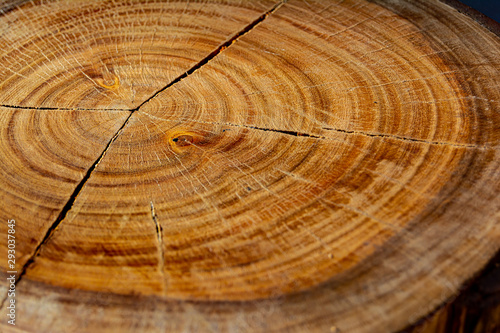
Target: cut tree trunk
241	166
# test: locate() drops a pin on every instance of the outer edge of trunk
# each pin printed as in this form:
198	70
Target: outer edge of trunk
476	15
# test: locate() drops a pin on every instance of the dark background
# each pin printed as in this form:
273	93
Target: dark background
490	8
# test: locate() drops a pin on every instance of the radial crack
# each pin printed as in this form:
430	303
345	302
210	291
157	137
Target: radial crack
404	138
47	108
67	207
286	132
344	131
218	50
161	252
368	134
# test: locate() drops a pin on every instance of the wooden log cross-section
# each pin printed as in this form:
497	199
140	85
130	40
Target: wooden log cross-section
244	166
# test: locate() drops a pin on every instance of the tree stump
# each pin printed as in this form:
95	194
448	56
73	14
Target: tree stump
244	166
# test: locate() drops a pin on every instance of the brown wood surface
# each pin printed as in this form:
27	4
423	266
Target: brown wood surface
247	166
475	309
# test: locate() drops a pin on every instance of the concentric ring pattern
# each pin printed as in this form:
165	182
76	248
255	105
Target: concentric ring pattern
109	55
335	163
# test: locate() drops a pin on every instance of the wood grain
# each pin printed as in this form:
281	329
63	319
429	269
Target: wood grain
236	166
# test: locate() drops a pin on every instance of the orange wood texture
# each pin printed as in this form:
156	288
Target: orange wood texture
242	166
